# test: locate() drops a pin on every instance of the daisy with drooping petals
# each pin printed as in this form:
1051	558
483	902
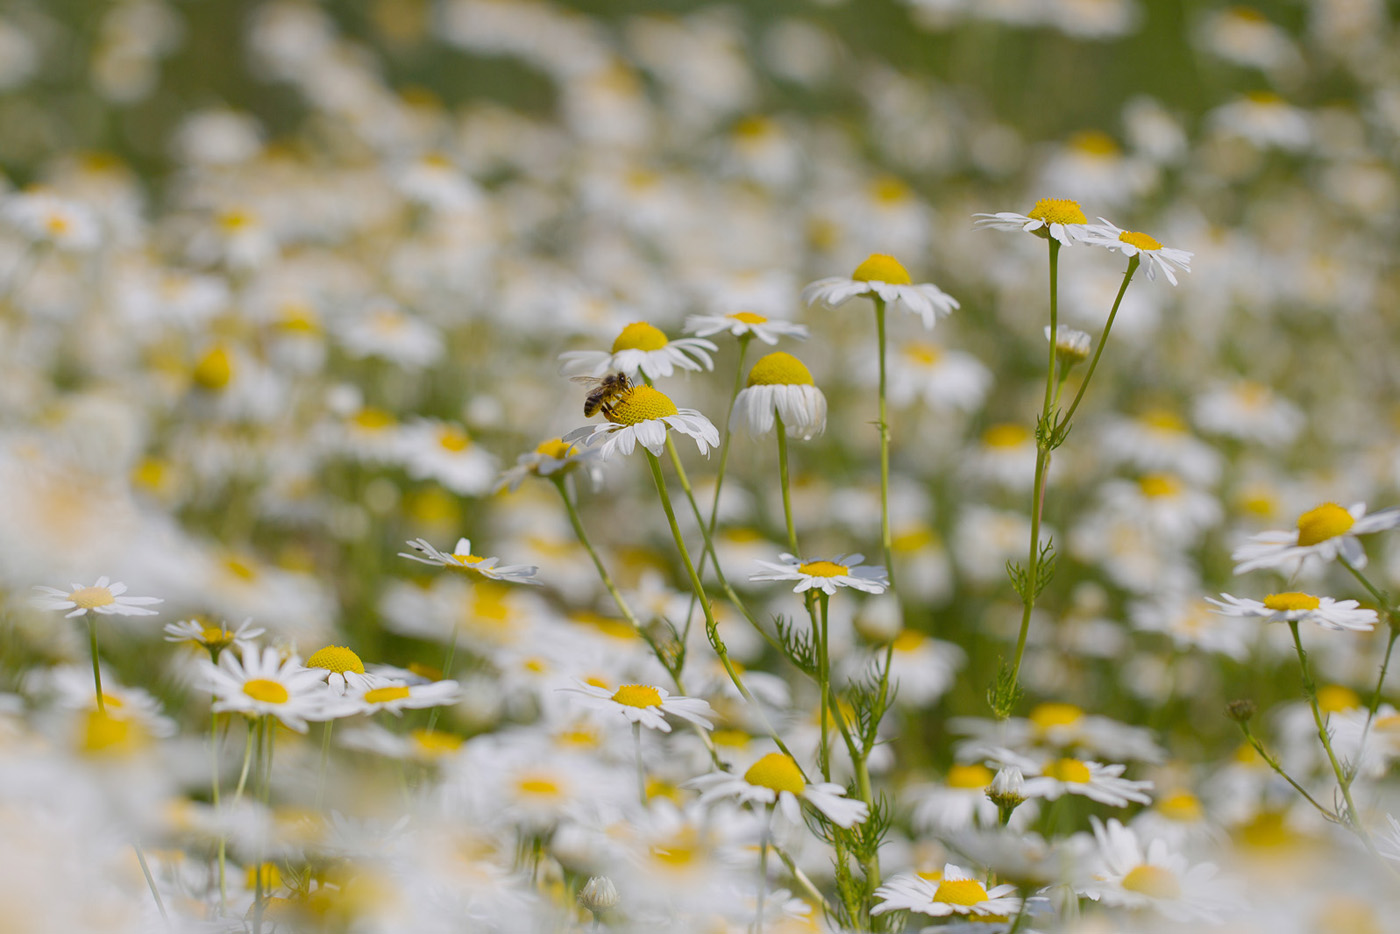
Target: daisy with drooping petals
104	598
776	780
644	415
1059	218
343	668
461	559
642	348
213	638
551	458
840	571
396	697
745	324
263	683
1131	243
1325	532
952	892
779	384
885	278
1136	876
644	704
1293	607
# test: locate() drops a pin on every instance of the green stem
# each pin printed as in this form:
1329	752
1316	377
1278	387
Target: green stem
641	769
1133	262
214	781
96	668
723	453
247	760
783	481
150	880
1310	689
446	671
1274	764
886	538
325	759
824	686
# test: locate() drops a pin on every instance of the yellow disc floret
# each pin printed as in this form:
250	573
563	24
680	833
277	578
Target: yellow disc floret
89	598
1058	211
214	370
778	772
1336	698
337	658
384	695
638	695
269	692
1155	485
1326	521
1153	881
640	336
1050	715
824	569
1181	806
1071	771
1291	600
780	369
909	640
975	775
1140	240
881	267
435	743
640	404
965	892
556	448
1006	435
749	317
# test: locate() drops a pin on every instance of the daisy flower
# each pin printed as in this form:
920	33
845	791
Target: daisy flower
643	415
1093	780
779	384
1060	218
1135	876
642	348
213	638
745	324
840	571
395	697
1293	606
104	597
953	891
461	559
554	456
343	668
1389	843
1072	346
882	275
644	704
1324	532
776	780
943	378
1132	243
262	683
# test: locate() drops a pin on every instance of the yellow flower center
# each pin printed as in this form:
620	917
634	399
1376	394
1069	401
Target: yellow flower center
454	439
1156	485
1180	806
881	267
889	190
824	569
780	369
425	671
436	743
924	353
778	772
92	597
1334	698
749	317
216	636
1162	420
372	419
57	224
965	892
555	448
384	695
1071	771
234	221
466	561
640	336
1048	716
908	640
638	695
269	692
1006	435
1326	521
337	658
1343	914
737	739
1140	240
969	776
1153	881
271	876
1292	600
214	371
104	734
1058	211
640	404
538	785
1094	143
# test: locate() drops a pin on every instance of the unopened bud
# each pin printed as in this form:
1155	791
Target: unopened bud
1007	791
598	894
1071	345
1241	711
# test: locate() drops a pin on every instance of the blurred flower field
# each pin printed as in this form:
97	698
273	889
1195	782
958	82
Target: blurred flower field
545	466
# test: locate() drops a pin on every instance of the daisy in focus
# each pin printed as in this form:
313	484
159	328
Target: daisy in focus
643	415
1325	532
1066	776
827	576
262	683
1059	218
104	598
1299	607
745	324
779	385
883	277
642	348
343	668
776	780
461	559
954	891
644	704
1131	243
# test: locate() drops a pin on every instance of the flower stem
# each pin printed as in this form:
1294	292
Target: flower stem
150	880
724	451
96	668
783	481
1274	764
763	868
325	759
214	782
641	769
1133	262
886	539
446	671
1310	689
823	686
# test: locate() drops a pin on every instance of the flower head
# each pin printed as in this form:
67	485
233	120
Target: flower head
104	597
461	559
884	277
1294	606
825	575
371	697
550	458
261	682
213	638
642	348
776	779
1059	218
644	704
954	891
644	415
745	324
1324	532
1132	243
780	385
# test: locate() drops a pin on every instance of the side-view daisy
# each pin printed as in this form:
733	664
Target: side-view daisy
776	780
342	668
1324	532
1294	606
1066	776
954	891
1132	875
1060	218
552	457
261	682
644	704
745	324
461	559
1132	243
825	575
642	348
213	638
104	597
395	697
644	415
779	384
884	277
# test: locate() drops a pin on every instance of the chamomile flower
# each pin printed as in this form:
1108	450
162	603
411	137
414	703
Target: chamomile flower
395	697
779	384
262	683
1293	606
1132	243
213	638
343	668
643	415
1132	875
551	457
825	575
461	559
1060	218
1324	532
644	704
1093	780
884	277
776	780
104	597
745	324
953	891
642	348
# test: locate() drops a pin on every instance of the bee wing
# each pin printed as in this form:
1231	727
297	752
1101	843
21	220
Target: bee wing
590	380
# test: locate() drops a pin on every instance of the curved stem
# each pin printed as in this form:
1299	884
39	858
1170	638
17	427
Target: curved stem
1310	689
325	760
783	481
582	536
641	769
446	670
886	538
96	668
1133	262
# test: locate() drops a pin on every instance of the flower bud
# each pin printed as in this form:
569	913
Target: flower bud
1007	791
1241	711
598	894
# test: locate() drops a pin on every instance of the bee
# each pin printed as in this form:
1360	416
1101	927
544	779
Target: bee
606	390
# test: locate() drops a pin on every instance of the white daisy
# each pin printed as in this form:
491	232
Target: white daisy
642	348
882	275
826	575
343	669
775	779
104	597
954	891
213	638
461	559
1323	532
644	704
442	451
643	415
551	457
943	378
264	683
745	323
1134	876
1131	243
1293	606
779	384
1093	780
396	697
1060	218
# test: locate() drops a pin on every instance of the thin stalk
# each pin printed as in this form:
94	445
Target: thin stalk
823	686
783	480
1310	689
1133	262
150	880
724	449
96	668
214	782
803	880
1274	764
446	670
763	868
641	769
886	538
247	759
325	759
